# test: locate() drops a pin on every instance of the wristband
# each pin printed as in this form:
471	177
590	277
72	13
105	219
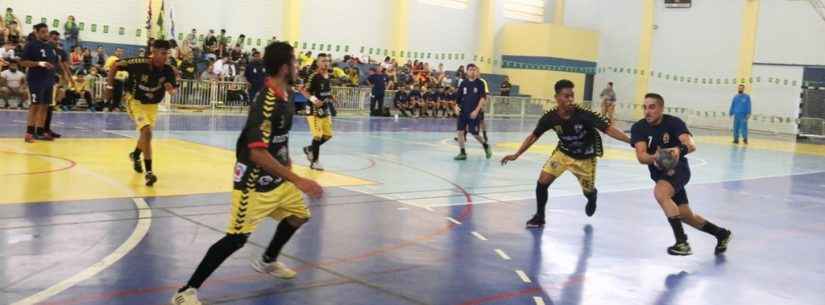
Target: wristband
41	64
683	150
313	99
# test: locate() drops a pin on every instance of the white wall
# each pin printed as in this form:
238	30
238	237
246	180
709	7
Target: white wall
620	29
254	18
790	32
113	13
356	23
583	14
439	29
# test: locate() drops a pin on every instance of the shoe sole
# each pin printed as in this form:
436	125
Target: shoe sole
260	270
151	182
674	253
588	208
138	168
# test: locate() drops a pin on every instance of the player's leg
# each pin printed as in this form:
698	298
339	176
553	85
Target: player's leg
461	132
474	128
552	169
292	213
326	134
664	192
585	172
31	116
611	109
145	145
700	223
136	117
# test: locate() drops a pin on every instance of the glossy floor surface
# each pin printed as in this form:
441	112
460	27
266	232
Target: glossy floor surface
401	222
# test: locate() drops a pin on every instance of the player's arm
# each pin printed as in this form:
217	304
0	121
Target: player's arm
688	144
27	60
642	155
532	138
483	101
314	86
603	124
617	134
171	83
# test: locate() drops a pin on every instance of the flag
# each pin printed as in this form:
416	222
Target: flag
161	33
149	17
172	20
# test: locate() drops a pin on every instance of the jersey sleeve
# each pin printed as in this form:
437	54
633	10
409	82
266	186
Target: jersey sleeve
545	123
253	135
485	89
599	122
637	135
30	53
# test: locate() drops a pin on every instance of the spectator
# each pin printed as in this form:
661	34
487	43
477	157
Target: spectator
255	75
219	66
387	63
305	59
100	56
10	17
187	67
740	110
608	96
13	31
141	52
87	60
120	78
13	84
71	32
241	40
210	45
74	93
237	53
354	77
113	59
208	75
75	58
7	52
402	101
505	86
190	44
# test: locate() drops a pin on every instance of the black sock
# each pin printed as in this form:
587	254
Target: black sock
282	234
484	134
323	140
316	150
485	145
711	229
38	131
218	253
148	164
541	198
48	125
30	129
463	152
678	230
136	153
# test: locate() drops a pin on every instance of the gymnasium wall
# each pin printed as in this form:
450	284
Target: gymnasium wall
546	40
790	32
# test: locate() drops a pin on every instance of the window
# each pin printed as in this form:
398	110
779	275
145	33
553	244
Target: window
456	4
526	10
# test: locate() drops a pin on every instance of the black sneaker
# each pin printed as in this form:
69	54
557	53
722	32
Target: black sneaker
590	208
722	242
136	162
151	179
54	134
535	222
745	141
682	248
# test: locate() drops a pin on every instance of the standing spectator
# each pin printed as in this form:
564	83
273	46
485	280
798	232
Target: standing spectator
378	80
13	31
10	17
72	32
241	40
87	60
740	110
210	45
100	56
237	53
190	44
505	86
387	63
120	78
255	75
13	84
608	96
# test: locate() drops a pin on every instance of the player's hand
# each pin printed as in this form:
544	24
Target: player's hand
46	65
474	115
674	152
169	88
655	158
309	187
508	158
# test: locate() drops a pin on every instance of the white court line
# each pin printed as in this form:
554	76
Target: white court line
479	236
538	300
503	255
428	208
142	227
523	276
453	220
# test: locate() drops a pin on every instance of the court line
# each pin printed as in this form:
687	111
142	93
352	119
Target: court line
142	227
453	220
503	255
523	276
479	236
538	300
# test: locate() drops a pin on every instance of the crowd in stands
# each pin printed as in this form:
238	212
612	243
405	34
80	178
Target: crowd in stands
423	90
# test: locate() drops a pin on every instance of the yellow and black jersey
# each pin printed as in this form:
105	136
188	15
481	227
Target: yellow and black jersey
319	86
578	135
145	82
267	126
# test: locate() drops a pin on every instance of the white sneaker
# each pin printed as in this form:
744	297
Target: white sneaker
275	269
187	297
316	166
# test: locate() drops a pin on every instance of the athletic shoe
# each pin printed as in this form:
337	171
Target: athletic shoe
136	163
489	151
54	134
151	179
680	248
722	242
44	137
535	222
316	166
275	269
735	141
187	297
460	157
745	141
590	208
28	138
308	153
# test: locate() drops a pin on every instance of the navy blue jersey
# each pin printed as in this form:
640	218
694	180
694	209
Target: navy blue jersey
665	135
415	95
379	83
470	93
431	96
401	97
37	51
446	96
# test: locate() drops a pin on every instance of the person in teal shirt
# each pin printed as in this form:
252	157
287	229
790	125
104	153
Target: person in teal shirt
740	110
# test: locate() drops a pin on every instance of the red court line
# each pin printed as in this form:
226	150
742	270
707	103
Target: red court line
70	163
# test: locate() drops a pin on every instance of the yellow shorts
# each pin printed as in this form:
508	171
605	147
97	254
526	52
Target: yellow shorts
583	169
248	210
320	127
142	114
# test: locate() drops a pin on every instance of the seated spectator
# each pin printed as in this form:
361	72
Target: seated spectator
354	77
13	85
8	52
505	86
237	53
305	59
415	100
187	67
100	56
75	59
73	94
401	101
210	46
450	96
141	52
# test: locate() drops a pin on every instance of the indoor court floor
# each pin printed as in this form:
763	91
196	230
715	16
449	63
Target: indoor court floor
400	222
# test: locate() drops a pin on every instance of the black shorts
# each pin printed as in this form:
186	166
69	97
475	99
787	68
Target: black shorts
465	123
41	94
678	180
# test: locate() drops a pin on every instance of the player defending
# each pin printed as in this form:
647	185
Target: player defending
659	139
150	78
264	182
579	147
